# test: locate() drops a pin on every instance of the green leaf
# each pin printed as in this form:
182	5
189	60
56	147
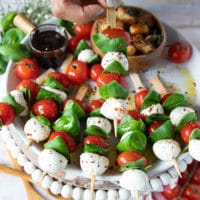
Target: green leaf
58	145
81	46
156	117
43	120
105	44
195	134
10	100
68	25
12	36
151	98
164	131
26	94
132	141
7	20
115	67
3	65
93	148
15	51
113	89
173	101
138	164
129	124
95	130
96	113
93	59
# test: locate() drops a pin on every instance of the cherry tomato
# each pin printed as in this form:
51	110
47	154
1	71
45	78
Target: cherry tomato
97	103
171	193
60	77
32	86
152	127
136	115
129	156
187	129
7	113
179	52
80	103
164	98
95	71
77	71
27	68
47	108
97	140
72	43
192	191
184	177
104	79
115	33
69	141
196	177
83	30
139	97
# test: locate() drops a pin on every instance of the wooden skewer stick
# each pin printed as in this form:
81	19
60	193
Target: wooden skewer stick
137	82
29	144
174	161
82	91
92	184
115	127
110	14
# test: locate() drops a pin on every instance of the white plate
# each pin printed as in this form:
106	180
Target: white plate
183	78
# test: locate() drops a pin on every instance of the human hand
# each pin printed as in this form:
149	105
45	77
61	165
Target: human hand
80	11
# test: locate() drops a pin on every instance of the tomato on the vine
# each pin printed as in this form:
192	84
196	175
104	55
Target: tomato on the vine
27	68
7	114
72	43
69	141
47	108
106	78
152	127
95	71
139	97
96	103
83	30
187	129
97	140
77	71
129	156
171	193
179	52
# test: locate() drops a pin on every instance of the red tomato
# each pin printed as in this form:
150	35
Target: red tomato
77	71
60	77
27	68
164	97
47	108
152	127
187	129
115	33
72	43
80	103
7	113
192	191
171	193
129	156
32	86
179	52
83	30
97	103
136	115
97	140
95	71
104	79
139	97
69	141
196	177
184	177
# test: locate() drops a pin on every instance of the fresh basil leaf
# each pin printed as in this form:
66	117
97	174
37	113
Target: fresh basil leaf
43	120
132	141
151	98
12	36
138	164
95	130
189	117
68	25
3	64
1	124
129	124
195	134
58	145
10	100
26	94
115	67
173	101
156	117
93	148
81	46
96	113
105	44
113	89
164	131
93	59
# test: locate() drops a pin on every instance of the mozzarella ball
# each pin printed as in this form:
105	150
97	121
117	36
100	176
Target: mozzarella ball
154	109
194	149
85	55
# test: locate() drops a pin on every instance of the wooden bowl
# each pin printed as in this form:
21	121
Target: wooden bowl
137	63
